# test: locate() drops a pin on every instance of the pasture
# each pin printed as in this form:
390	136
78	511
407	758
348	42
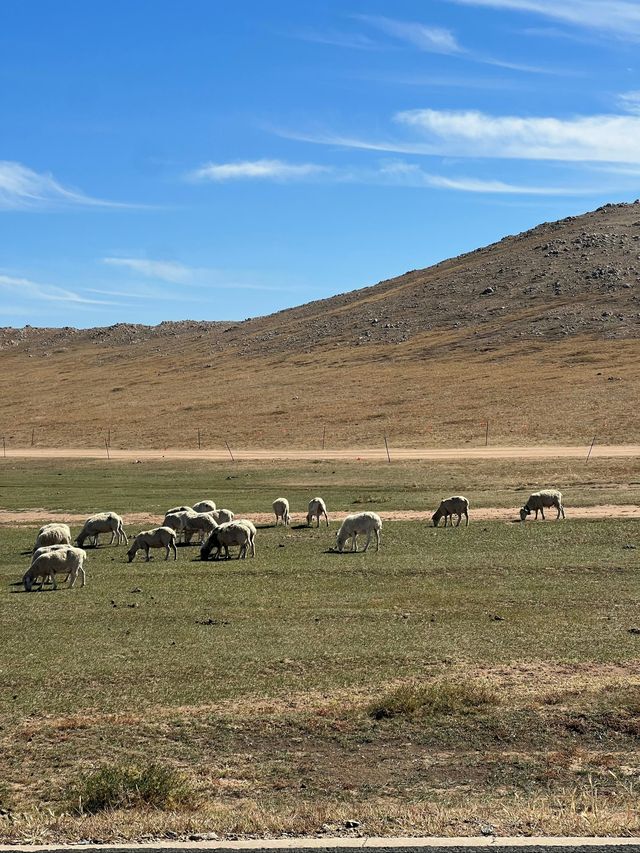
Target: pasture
459	681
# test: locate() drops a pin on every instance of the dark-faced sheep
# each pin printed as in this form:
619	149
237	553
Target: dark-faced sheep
220	539
538	501
456	505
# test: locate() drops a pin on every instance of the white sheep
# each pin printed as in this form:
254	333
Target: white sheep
68	561
232	533
539	500
159	537
46	548
281	510
197	522
53	534
252	530
204	506
222	516
353	525
317	507
177	520
103	522
179	509
456	505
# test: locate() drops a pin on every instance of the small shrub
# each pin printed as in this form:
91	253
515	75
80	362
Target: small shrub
5	797
441	697
119	787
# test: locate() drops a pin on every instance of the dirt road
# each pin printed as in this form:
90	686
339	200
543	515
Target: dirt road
38	516
300	454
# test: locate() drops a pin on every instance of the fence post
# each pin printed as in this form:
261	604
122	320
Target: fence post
386	444
4	447
33	437
324	435
229	449
106	445
591	448
486	433
199	444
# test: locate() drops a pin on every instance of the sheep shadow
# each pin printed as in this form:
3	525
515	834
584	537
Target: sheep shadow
344	553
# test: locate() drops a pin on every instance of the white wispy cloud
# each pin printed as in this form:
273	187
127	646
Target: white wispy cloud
619	17
431	39
355	41
276	170
411	174
605	138
630	101
403	173
170	271
25	287
444	41
23	189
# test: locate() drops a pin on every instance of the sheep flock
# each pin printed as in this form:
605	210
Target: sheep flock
219	530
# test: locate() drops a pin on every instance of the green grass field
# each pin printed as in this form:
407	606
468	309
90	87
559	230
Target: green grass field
458	679
251	487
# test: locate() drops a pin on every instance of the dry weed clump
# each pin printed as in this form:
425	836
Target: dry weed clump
438	698
120	787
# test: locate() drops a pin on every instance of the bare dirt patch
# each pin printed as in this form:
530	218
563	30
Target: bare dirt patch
35	516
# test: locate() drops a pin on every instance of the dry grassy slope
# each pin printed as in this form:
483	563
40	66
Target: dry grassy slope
550	354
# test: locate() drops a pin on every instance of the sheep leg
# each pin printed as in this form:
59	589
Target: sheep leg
326	518
542	512
354	541
467	517
377	532
366	544
459	519
113	536
166	554
147	552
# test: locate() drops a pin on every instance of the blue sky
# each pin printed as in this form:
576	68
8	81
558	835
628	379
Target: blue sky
201	159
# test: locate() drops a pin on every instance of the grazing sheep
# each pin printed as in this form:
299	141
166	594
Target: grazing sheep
281	509
317	507
178	520
103	522
197	522
53	534
232	533
222	516
45	549
252	530
179	509
204	506
539	500
353	525
159	537
68	561
456	505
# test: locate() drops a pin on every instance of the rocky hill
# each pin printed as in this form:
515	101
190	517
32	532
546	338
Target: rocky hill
566	293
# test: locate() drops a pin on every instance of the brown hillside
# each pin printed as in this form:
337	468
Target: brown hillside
537	333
